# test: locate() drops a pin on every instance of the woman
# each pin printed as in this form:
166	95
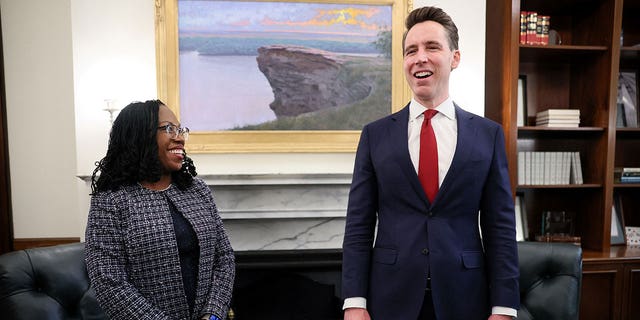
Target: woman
155	244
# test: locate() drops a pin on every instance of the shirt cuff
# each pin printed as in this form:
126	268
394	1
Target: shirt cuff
355	302
504	310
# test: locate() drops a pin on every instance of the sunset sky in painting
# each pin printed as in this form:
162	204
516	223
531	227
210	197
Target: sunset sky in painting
282	17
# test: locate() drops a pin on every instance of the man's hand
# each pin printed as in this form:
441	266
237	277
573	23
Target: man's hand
356	314
497	317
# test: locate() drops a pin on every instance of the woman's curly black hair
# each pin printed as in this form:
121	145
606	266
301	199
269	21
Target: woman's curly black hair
132	155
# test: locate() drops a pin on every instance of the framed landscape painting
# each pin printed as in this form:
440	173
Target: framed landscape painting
285	76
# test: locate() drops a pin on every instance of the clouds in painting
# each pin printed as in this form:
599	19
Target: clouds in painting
219	17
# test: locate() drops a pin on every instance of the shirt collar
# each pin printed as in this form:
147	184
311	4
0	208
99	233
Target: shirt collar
446	108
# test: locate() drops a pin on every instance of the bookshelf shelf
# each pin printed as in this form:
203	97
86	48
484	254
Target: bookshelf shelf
628	131
630	53
560	186
599	38
533	129
626	185
558	53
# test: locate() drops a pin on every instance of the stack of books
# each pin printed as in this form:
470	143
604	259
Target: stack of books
549	168
627	175
558	118
534	28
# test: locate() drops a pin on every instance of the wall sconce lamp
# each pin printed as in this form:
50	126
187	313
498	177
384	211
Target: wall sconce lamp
111	108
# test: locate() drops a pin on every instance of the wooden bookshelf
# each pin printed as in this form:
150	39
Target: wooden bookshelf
579	73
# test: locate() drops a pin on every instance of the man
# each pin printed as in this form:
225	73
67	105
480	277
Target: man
428	185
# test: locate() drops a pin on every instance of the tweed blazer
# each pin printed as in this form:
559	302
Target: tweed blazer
132	253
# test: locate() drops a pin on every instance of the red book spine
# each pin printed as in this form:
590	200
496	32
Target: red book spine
532	19
523	27
539	23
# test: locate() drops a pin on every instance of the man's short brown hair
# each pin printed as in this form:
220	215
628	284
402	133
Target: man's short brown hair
432	14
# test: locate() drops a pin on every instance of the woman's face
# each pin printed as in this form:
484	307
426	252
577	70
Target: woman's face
170	146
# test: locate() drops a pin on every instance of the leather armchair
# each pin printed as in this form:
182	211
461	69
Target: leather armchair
47	283
550	280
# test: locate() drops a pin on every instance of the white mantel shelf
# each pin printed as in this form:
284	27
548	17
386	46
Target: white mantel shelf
277	196
280	211
275	179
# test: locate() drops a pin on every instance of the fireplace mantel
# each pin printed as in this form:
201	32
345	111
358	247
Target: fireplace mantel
280	196
280	211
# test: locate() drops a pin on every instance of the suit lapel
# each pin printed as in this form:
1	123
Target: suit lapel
399	132
464	145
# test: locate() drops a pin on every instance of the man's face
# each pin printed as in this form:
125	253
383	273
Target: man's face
428	62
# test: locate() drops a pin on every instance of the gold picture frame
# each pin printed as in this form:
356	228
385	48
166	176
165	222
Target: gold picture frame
269	141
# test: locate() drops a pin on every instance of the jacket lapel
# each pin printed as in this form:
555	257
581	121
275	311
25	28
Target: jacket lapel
464	145
399	132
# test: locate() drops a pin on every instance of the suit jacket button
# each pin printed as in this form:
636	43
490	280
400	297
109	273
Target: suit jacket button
425	251
430	213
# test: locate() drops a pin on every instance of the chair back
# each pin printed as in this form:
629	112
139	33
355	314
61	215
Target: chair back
550	280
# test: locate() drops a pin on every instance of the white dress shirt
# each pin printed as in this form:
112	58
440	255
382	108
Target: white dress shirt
445	129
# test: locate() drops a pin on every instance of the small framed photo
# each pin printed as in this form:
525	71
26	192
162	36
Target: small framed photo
627	101
617	222
522	101
633	236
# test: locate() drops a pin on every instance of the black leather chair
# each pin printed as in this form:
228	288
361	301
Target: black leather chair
550	280
47	283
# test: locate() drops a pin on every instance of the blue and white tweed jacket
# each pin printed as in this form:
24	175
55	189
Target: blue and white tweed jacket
132	254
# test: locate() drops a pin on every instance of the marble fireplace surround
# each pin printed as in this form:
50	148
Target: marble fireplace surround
286	231
282	211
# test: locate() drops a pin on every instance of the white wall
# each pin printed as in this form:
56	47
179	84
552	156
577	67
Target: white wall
64	57
467	81
113	58
40	117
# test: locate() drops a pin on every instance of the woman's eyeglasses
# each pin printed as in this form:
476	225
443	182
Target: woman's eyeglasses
175	131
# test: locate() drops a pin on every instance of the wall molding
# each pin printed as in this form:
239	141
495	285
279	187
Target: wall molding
28	243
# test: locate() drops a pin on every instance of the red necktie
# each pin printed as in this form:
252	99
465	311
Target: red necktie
428	166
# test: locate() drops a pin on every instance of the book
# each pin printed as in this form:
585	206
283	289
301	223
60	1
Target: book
559	238
557	124
558	112
579	170
521	168
559	117
629	179
532	20
544	36
523	27
576	168
626	174
558	121
539	23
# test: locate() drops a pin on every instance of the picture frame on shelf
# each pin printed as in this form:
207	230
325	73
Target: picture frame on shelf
557	223
633	235
618	236
627	101
522	101
522	229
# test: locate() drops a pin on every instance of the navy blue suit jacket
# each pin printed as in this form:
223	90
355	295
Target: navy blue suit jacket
470	272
